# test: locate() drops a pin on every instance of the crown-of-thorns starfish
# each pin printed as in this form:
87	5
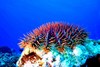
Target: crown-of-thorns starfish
58	33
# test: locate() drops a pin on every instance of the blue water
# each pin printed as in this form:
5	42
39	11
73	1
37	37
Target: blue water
18	17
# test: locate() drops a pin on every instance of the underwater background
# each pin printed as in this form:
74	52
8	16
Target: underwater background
18	17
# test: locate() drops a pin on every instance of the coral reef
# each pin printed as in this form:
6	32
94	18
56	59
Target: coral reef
57	45
92	62
5	49
8	57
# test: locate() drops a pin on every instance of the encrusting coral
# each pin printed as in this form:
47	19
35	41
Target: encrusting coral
57	45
